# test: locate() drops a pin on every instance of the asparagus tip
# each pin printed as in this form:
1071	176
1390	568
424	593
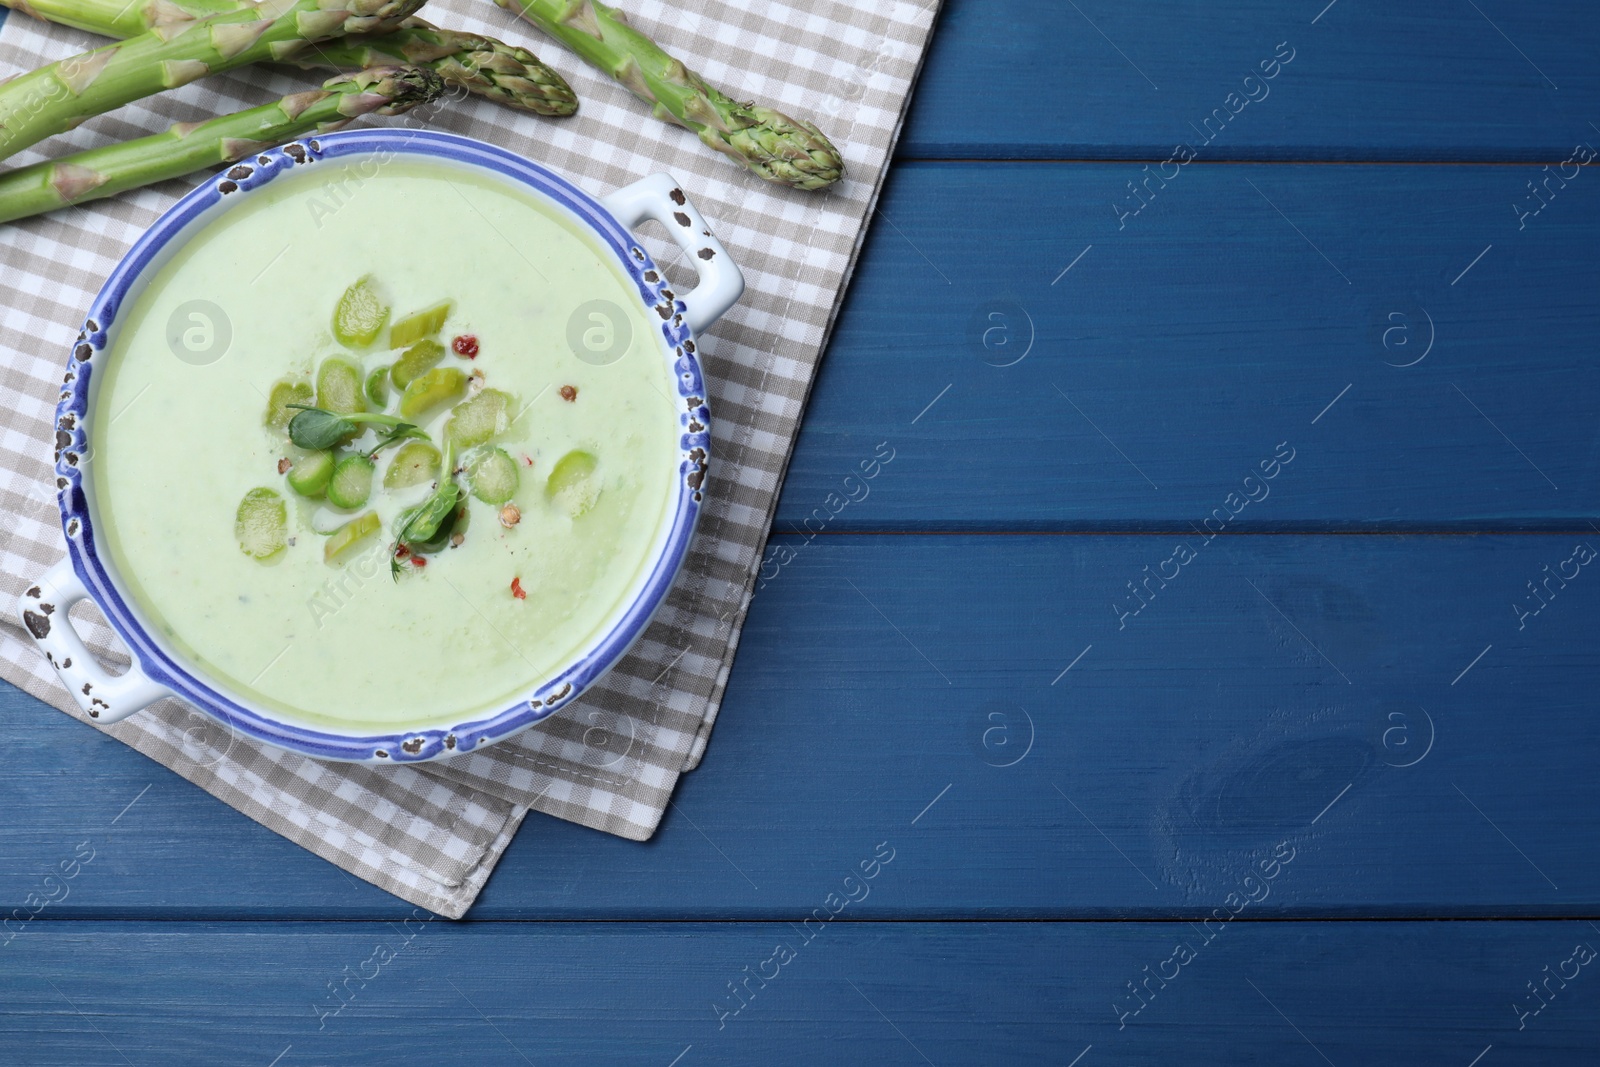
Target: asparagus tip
780	149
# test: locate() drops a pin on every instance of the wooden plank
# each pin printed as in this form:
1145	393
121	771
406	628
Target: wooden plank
91	993
1243	307
977	702
1431	79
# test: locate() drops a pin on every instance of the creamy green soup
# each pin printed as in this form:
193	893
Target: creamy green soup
179	439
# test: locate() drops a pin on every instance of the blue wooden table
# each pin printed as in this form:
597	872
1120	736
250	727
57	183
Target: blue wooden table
1220	619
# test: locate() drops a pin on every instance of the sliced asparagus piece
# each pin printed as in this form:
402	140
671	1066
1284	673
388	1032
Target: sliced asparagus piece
311	474
261	524
359	316
339	387
414	462
417	360
285	391
481	65
478	420
441	385
419	324
60	95
378	387
492	476
572	486
346	537
778	148
351	484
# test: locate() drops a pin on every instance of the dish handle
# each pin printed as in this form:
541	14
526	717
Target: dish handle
104	697
661	197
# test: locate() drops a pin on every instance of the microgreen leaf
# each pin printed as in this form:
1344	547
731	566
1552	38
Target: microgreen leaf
422	522
316	428
402	432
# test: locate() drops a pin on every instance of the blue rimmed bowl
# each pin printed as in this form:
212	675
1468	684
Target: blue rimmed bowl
159	669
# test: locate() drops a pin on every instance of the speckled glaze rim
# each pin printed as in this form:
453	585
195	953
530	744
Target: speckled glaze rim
202	206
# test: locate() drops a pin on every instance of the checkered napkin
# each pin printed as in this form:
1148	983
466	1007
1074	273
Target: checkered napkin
432	833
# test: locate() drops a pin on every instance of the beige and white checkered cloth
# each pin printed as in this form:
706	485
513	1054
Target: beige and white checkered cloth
432	833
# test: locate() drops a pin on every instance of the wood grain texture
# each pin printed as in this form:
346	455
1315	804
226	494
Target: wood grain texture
1092	79
1404	994
916	689
1246	305
1357	729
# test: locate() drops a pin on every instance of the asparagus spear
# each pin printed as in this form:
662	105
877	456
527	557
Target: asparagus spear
192	146
778	148
109	18
481	65
57	97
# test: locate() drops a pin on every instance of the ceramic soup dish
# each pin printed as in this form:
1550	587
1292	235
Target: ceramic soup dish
375	657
